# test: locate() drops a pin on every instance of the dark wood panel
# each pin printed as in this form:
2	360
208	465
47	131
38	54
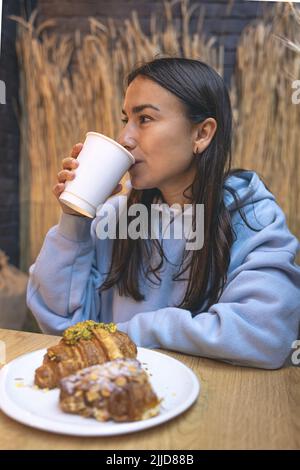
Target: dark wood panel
9	134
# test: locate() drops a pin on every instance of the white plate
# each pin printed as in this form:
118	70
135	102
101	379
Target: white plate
172	381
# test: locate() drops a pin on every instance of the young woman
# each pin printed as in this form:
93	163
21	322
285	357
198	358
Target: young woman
236	299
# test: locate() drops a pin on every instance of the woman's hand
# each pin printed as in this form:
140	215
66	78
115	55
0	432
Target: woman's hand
67	174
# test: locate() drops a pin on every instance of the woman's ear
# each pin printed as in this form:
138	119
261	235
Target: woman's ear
205	131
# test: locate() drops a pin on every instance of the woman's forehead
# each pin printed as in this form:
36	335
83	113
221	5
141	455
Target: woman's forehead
143	91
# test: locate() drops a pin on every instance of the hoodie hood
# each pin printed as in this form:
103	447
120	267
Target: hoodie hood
249	187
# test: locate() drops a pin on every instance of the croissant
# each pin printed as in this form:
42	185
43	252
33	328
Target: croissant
83	345
118	390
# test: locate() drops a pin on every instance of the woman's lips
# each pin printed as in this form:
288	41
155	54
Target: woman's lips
134	166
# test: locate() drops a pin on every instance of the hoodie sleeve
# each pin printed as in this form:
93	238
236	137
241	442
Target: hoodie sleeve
63	281
257	317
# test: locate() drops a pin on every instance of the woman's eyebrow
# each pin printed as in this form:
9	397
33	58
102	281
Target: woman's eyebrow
140	107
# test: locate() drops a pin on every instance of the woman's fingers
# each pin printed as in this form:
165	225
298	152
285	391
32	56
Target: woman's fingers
58	189
76	150
65	175
69	163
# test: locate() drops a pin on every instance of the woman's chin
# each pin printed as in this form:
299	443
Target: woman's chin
137	186
137	183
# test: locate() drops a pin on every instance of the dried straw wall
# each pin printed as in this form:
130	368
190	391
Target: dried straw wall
60	105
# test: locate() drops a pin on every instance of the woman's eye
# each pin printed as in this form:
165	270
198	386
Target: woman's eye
144	117
141	119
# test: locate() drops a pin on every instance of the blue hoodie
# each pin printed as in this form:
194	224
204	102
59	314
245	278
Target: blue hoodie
254	322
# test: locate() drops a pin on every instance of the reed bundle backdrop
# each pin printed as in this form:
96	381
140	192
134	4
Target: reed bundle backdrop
72	84
267	122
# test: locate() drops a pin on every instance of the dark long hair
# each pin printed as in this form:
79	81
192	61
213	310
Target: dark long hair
202	91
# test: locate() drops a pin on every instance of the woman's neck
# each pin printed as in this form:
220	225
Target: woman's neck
178	193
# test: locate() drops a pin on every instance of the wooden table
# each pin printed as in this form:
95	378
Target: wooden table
238	408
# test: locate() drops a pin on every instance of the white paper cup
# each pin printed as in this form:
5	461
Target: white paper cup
102	164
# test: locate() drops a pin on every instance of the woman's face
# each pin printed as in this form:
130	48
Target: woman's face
160	137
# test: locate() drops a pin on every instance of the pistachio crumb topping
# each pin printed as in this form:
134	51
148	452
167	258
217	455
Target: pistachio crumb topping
84	330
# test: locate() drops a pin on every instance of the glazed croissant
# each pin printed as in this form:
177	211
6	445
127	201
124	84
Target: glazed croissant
118	390
83	345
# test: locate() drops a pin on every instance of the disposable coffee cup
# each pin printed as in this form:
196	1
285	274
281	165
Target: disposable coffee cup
102	164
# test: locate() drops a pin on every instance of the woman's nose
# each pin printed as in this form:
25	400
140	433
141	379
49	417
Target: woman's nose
126	140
